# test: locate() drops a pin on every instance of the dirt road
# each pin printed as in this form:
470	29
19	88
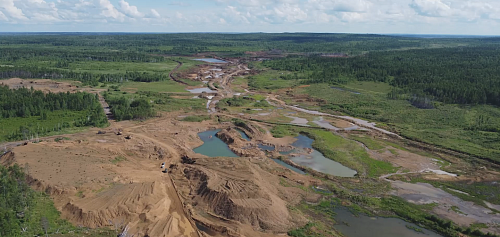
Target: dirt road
171	74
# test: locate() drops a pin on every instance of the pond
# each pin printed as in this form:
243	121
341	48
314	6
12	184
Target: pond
362	226
243	135
213	146
210	60
201	90
318	161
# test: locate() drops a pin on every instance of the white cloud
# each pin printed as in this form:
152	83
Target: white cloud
155	14
290	13
3	17
131	11
258	15
10	9
109	11
432	8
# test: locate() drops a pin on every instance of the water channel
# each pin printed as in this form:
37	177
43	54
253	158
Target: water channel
213	146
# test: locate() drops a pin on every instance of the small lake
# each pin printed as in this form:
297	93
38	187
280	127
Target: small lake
210	60
318	161
362	226
213	146
243	135
201	90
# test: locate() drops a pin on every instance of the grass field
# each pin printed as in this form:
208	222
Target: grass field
270	80
122	67
164	102
162	86
450	126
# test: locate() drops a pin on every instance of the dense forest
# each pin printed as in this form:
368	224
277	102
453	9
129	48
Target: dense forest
464	75
87	78
124	108
190	43
15	200
25	103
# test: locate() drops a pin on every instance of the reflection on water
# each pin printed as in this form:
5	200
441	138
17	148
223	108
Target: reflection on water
201	90
317	161
210	60
362	226
213	146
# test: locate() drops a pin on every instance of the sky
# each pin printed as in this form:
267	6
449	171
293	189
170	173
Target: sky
457	17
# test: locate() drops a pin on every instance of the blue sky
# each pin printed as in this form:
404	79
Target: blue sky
476	17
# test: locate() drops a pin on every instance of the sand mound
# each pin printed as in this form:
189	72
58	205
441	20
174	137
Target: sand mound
238	190
127	203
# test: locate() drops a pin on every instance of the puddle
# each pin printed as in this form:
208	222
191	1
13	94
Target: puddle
362	226
201	90
266	148
325	124
210	60
299	121
213	146
318	161
280	162
203	228
243	135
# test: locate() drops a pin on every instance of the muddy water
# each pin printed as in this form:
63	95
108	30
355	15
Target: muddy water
362	226
318	161
213	146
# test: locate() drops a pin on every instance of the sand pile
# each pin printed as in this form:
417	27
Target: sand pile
238	190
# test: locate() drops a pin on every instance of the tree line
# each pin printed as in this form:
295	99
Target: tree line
25	103
464	75
87	78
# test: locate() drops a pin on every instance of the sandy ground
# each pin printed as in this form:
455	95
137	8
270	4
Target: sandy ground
100	179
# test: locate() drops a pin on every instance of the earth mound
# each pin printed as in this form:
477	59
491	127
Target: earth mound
239	191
